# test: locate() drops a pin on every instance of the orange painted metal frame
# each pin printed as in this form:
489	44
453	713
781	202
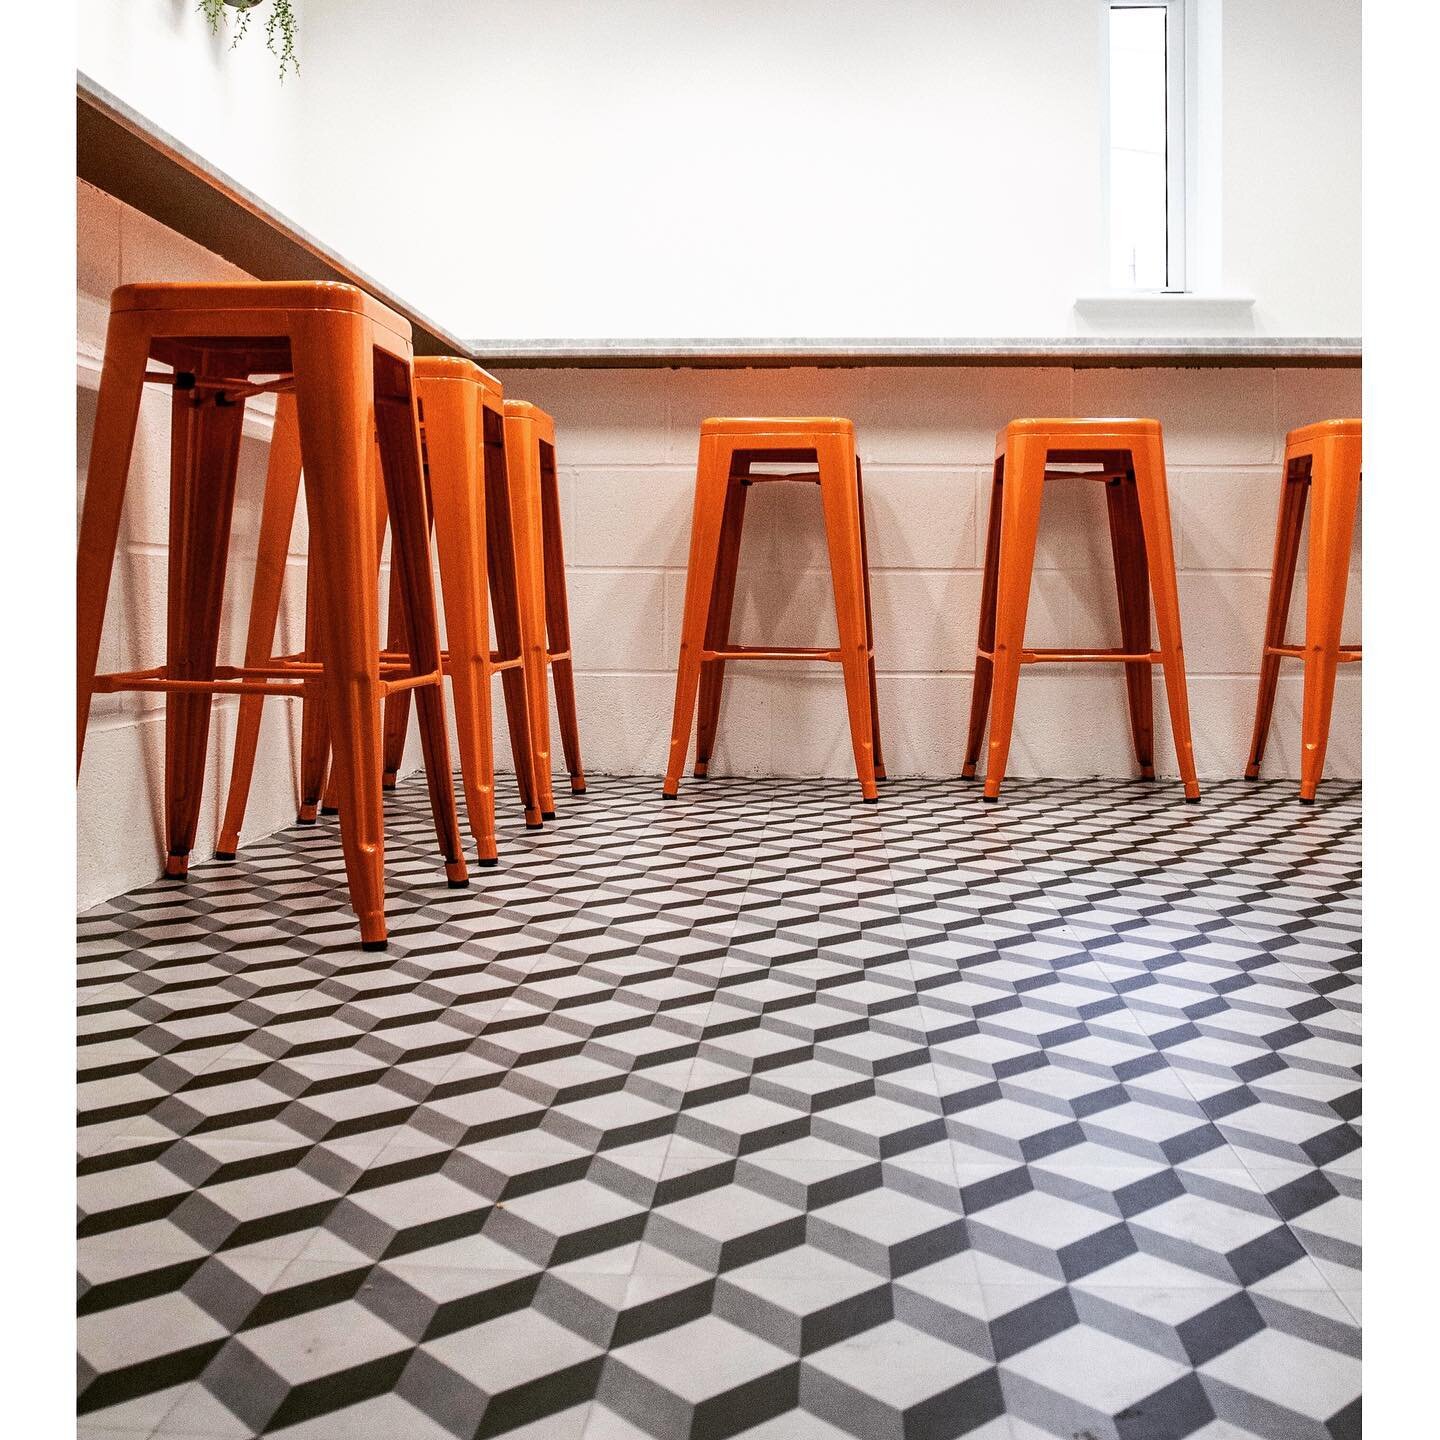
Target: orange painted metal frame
348	360
544	605
1322	466
462	414
729	451
1130	456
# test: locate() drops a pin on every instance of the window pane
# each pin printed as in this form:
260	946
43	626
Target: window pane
1137	148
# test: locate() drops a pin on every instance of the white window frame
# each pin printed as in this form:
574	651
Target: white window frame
1180	89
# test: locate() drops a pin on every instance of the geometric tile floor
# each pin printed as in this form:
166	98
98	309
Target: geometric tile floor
763	1112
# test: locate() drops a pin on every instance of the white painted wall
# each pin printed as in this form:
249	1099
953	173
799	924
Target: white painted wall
228	105
1292	162
562	168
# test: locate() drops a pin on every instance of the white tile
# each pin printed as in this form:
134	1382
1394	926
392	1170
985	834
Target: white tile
620	517
925	620
1304	396
150	251
1222	622
602	417
625	722
697	395
924	519
939	415
923	721
1210	417
97	243
1074	527
617	619
1224	519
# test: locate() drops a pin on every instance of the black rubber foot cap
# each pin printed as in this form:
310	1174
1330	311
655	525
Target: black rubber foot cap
547	814
664	796
299	821
1148	779
1192	799
533	825
372	946
969	779
457	884
488	864
870	799
1252	777
329	809
1304	801
224	854
574	790
991	799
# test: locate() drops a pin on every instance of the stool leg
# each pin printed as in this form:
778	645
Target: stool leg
1149	469
397	706
204	459
1132	587
1294	491
502	551
455	449
322	773
277	520
984	666
522	486
717	625
316	778
333	358
840	497
557	621
1020	495
127	348
398	427
1334	498
325	778
712	481
869	629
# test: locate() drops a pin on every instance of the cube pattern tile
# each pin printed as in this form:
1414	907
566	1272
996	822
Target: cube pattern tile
759	1113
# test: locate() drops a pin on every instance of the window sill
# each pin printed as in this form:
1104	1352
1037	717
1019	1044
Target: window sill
1168	311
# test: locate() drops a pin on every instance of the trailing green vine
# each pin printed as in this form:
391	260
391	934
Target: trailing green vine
280	26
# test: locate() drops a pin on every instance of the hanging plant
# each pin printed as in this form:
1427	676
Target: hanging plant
280	26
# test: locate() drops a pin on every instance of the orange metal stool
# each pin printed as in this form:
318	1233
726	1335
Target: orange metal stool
729	451
1130	456
502	556
462	430
544	607
1322	464
348	360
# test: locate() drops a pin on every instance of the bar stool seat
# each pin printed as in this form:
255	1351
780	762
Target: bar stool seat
1127	455
342	363
1321	468
730	448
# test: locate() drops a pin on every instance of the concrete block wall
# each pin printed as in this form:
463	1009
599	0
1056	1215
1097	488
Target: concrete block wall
627	442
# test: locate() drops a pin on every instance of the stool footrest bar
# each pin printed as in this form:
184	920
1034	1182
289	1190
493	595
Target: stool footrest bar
1348	653
1081	655
242	680
771	652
